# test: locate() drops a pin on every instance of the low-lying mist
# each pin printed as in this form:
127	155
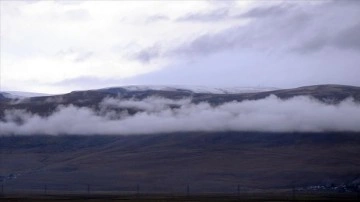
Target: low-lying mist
159	115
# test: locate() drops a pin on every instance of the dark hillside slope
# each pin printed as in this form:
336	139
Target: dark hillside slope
45	105
209	162
331	94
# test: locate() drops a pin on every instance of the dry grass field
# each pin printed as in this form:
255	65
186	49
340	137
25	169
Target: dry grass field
260	164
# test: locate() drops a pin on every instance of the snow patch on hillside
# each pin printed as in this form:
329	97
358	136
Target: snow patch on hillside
20	94
199	89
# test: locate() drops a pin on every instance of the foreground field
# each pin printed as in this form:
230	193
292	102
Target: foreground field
194	198
199	163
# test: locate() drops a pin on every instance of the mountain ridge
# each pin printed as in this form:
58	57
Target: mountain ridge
328	93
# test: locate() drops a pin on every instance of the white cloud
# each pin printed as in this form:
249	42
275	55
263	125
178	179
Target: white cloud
119	41
152	104
33	35
300	114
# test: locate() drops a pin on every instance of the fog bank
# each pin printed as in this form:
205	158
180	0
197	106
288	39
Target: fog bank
159	115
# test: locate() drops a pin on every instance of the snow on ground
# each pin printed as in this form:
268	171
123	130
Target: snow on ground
19	94
200	89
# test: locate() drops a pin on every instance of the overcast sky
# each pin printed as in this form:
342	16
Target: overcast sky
60	46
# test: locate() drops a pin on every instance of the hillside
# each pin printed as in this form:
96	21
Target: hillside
208	162
163	140
44	105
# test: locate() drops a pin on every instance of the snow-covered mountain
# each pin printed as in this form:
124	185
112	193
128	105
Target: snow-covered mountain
20	94
197	89
330	94
135	88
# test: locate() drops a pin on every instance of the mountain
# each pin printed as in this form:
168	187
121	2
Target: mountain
134	88
207	161
20	94
43	105
197	89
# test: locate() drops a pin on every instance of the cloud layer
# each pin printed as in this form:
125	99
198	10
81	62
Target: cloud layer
96	44
159	115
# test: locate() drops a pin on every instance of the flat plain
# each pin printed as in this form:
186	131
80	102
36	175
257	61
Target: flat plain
194	164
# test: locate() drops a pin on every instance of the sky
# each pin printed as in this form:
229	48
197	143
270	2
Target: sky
60	46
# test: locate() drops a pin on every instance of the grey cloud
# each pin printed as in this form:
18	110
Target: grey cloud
298	28
76	55
221	12
207	43
32	1
148	54
267	11
256	35
338	26
68	2
222	3
345	39
271	114
259	34
83	56
349	38
211	16
71	16
156	18
346	3
77	14
316	43
202	45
